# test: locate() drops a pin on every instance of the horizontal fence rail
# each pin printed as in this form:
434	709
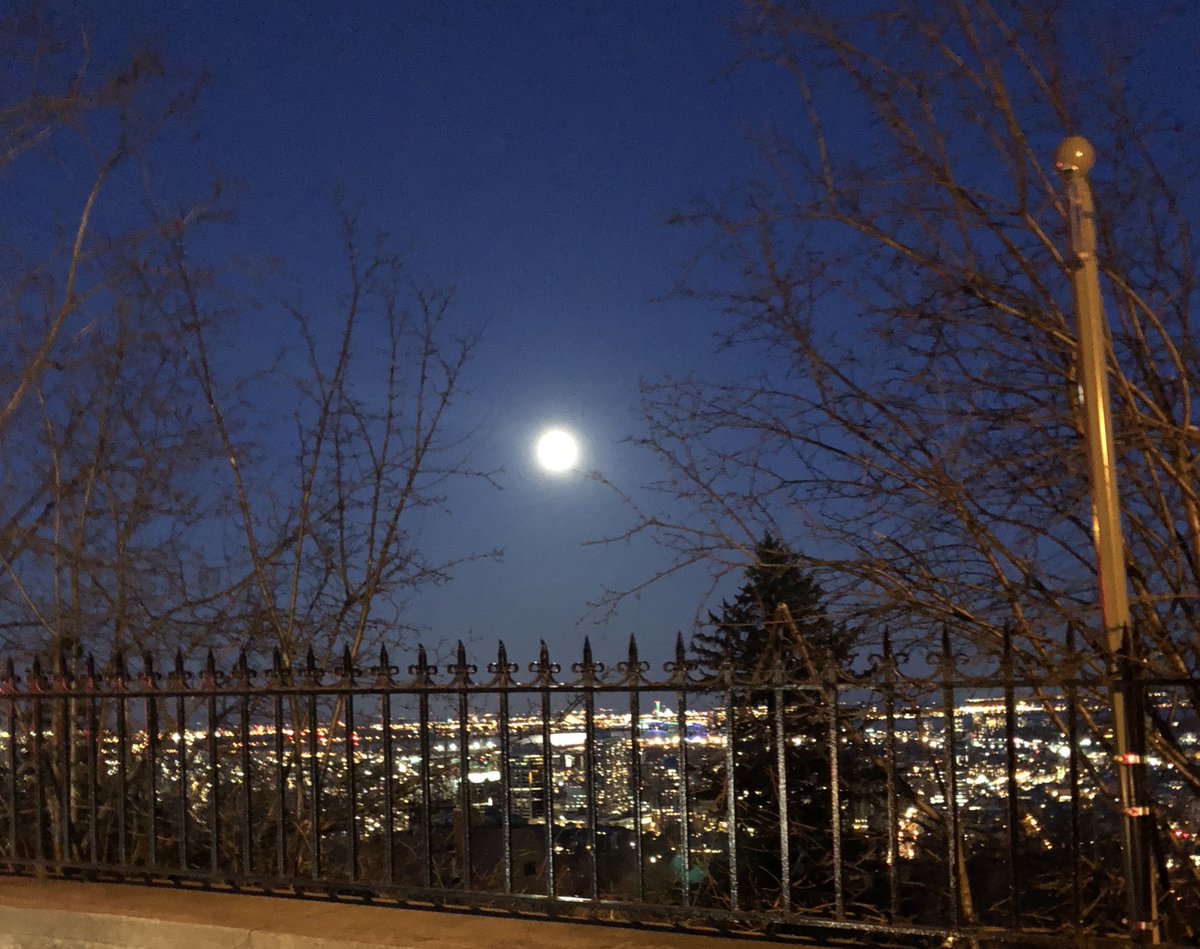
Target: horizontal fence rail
898	805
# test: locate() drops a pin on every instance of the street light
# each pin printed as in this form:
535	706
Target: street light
1074	159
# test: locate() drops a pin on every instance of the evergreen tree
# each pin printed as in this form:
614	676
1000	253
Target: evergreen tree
750	635
749	629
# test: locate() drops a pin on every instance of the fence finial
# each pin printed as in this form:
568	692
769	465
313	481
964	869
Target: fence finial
502	669
461	670
588	670
385	669
149	676
543	669
679	666
210	677
422	672
632	668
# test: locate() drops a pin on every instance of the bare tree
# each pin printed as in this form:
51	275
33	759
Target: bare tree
146	499
331	556
906	407
94	428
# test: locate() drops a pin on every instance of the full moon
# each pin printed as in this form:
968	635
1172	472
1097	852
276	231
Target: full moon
557	450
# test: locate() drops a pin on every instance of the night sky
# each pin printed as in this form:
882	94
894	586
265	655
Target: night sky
528	154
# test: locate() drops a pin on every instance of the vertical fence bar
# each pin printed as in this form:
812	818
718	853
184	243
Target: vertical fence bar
352	785
151	700
37	685
10	690
384	682
785	844
243	682
589	777
679	677
544	671
423	673
313	682
781	788
462	682
949	745
214	790
1010	762
214	765
835	792
177	681
893	816
730	763
93	761
1073	766
346	694
502	671
280	678
62	738
122	713
588	670
633	669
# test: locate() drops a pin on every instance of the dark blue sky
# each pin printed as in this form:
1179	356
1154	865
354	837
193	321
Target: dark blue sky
527	153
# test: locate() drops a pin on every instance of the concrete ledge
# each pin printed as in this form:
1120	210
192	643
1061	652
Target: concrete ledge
57	914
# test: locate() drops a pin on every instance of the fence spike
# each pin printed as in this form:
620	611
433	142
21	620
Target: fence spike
347	664
209	676
461	669
311	672
421	671
679	666
89	670
120	672
589	670
10	673
37	678
502	669
543	669
631	669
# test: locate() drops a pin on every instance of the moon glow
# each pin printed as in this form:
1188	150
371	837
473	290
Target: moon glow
557	450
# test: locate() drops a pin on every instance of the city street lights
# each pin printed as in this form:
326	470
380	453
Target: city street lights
1074	159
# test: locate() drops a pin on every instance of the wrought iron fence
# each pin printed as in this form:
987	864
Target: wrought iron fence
899	805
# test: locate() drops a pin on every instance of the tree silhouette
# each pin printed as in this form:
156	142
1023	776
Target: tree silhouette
749	631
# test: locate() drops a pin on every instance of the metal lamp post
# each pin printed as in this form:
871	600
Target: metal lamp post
1074	159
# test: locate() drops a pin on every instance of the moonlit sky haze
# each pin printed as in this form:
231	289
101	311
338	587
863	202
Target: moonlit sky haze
527	154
